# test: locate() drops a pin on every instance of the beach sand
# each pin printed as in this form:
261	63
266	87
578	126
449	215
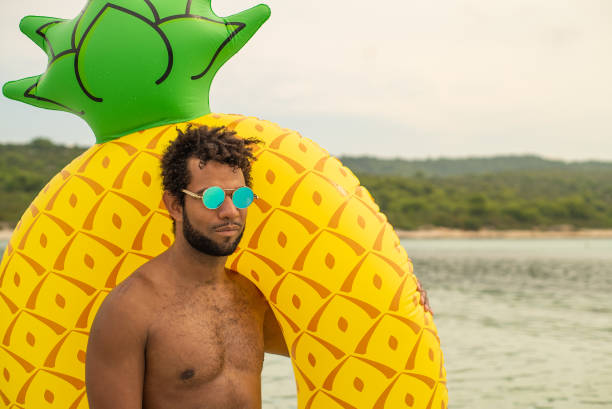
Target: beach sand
5	234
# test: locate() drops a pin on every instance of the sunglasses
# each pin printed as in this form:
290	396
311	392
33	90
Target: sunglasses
214	196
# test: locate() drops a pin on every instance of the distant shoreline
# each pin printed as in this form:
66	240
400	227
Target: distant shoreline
446	233
5	234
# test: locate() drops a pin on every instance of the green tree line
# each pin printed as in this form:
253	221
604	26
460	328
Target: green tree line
504	200
466	166
25	169
502	193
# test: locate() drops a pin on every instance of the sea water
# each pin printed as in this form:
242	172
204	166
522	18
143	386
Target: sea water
524	323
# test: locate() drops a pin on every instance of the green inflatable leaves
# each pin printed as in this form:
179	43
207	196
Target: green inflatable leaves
129	65
36	28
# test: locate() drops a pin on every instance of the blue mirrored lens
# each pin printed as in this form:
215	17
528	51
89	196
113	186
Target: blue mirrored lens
243	197
213	197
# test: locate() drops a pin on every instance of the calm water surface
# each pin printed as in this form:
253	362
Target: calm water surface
523	323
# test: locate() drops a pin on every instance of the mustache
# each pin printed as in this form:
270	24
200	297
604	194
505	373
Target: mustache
228	224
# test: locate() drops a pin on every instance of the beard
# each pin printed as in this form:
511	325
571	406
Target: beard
205	244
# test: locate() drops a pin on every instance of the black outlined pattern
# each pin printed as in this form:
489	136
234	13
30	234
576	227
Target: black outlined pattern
133	14
28	94
76	48
40	32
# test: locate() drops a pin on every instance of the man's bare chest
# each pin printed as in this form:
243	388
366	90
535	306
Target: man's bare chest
196	338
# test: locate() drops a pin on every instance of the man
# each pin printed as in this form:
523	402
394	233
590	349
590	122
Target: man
182	331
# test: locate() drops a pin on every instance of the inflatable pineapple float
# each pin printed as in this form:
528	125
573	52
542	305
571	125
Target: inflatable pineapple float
330	265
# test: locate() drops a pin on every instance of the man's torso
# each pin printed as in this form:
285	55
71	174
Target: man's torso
204	345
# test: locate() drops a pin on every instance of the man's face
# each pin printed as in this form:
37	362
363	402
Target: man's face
215	232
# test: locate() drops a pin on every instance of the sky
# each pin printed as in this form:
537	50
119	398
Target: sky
392	78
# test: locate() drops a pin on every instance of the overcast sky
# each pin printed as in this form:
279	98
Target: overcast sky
395	78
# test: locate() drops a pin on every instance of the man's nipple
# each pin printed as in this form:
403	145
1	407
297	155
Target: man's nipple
187	374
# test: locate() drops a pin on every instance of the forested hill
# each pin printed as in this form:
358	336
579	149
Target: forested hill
466	166
503	192
24	170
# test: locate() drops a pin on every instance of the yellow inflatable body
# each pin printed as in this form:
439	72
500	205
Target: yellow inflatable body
329	263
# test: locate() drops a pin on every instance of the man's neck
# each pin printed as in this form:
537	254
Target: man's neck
194	266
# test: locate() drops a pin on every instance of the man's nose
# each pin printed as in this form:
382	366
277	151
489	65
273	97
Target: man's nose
228	209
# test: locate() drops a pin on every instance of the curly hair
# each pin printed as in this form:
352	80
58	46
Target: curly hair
206	144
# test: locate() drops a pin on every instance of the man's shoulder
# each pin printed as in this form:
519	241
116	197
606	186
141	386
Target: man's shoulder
135	289
248	288
134	299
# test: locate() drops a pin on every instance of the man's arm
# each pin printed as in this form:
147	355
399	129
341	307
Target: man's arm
114	368
274	342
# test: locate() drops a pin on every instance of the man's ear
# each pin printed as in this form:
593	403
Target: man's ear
174	206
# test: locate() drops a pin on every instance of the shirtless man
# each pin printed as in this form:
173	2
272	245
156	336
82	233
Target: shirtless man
182	331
